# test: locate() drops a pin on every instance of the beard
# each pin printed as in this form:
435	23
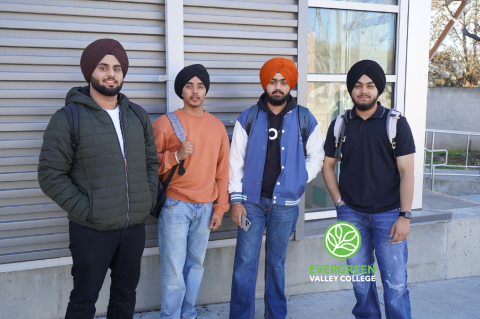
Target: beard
104	90
365	106
277	100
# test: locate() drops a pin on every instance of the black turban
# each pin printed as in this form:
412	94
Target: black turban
371	69
188	73
97	50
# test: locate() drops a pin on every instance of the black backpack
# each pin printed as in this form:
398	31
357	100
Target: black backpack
302	122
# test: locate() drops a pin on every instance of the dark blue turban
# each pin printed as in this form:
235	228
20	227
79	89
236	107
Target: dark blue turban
371	69
188	73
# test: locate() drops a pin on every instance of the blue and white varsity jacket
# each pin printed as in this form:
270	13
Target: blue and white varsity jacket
247	159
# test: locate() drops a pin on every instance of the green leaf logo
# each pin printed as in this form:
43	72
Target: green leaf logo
342	240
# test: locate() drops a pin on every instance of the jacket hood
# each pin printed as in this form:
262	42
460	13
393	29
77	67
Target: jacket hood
262	104
81	95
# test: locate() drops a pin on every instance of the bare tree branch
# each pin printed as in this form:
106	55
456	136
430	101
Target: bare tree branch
449	13
468	34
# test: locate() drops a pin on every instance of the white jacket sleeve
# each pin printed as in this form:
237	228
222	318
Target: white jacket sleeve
315	153
237	161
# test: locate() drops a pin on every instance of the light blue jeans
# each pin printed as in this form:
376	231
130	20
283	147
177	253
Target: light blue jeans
183	232
392	261
279	222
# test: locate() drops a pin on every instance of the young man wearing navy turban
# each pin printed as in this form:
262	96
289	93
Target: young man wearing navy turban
189	213
375	192
108	185
269	169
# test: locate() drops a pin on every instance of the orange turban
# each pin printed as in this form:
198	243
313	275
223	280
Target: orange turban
279	65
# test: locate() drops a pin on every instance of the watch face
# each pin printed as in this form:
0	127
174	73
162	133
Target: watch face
406	214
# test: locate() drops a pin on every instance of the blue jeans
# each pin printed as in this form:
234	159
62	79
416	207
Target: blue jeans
279	222
183	232
392	261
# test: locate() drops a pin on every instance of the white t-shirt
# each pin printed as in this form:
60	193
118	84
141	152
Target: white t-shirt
115	115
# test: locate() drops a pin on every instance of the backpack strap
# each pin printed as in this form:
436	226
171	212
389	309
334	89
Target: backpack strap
251	116
137	109
72	115
169	178
180	133
177	126
392	118
303	119
339	132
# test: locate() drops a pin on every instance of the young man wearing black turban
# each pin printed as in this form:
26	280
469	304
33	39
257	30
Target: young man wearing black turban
189	214
108	185
375	193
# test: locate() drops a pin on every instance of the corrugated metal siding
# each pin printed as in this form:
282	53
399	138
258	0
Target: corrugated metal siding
233	39
40	48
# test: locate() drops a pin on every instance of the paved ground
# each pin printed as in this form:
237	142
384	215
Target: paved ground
436	201
447	299
473	197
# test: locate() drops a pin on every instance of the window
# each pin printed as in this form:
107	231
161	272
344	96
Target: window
339	35
337	39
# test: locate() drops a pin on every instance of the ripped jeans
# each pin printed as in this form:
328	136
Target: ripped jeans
392	261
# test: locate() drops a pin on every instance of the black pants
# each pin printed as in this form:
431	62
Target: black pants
93	252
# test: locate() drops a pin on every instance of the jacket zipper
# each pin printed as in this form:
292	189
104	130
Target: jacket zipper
126	164
124	159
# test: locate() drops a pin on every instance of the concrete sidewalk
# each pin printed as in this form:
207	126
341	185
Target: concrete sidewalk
446	299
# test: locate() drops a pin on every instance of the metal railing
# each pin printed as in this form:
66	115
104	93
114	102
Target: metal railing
432	150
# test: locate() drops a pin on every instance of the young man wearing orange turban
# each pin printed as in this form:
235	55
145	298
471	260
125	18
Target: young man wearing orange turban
270	165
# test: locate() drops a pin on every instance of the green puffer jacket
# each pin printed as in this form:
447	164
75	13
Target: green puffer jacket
100	190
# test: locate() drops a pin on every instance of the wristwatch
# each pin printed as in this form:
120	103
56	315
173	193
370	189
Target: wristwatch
407	215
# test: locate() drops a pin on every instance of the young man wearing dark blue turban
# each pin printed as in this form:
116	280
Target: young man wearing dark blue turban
189	213
375	192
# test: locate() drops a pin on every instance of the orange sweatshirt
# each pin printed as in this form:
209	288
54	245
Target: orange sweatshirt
206	169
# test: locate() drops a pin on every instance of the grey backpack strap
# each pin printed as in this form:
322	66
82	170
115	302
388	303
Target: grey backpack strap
339	132
392	118
177	126
180	133
338	127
